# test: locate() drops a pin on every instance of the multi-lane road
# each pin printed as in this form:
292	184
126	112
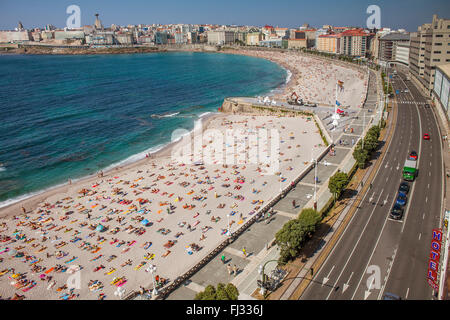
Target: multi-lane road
377	255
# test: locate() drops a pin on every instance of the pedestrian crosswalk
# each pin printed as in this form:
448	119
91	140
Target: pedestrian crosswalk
410	102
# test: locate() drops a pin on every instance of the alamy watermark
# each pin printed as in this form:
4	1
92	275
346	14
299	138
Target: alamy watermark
232	147
374	20
74	20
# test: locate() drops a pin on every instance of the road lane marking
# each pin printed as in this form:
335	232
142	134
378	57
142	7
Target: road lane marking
420	235
346	285
418	160
412	191
325	279
407	292
356	244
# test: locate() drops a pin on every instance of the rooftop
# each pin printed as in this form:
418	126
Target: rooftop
445	69
396	36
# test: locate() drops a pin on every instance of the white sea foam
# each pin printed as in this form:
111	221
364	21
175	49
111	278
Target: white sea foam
204	114
27	195
164	115
2	169
129	160
135	157
170	115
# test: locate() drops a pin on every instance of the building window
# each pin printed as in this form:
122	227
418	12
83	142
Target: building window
439	36
438	44
436	52
436	60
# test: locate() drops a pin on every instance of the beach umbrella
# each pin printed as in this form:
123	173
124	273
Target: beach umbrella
145	222
100	228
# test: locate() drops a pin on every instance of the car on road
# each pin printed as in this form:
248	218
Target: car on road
404	187
412	155
426	136
427	105
401	199
406	90
391	296
396	212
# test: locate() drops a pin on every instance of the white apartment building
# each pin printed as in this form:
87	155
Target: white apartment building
221	37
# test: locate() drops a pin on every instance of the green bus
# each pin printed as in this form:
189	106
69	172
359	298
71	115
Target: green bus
410	170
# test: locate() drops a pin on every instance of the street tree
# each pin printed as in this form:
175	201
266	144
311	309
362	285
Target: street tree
337	183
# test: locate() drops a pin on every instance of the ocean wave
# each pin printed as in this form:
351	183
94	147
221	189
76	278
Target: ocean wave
204	114
165	115
129	160
28	195
2	169
135	157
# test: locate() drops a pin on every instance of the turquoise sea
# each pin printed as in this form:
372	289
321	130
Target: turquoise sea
70	116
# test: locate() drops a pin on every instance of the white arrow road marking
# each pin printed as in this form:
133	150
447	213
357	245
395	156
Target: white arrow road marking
385	200
346	285
325	279
367	292
398	166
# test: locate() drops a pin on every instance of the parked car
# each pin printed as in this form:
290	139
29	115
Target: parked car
413	155
404	187
426	136
401	199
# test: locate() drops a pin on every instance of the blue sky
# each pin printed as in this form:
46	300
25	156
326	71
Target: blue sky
407	14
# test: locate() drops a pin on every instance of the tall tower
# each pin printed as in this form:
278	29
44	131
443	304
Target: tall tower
98	23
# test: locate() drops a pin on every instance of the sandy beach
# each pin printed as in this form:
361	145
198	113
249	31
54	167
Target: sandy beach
104	231
315	79
185	208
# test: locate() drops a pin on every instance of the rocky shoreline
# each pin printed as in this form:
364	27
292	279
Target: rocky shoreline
46	50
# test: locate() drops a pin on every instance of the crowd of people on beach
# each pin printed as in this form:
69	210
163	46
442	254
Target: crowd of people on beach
163	213
315	80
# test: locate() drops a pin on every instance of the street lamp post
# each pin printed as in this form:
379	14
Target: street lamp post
263	276
152	270
313	160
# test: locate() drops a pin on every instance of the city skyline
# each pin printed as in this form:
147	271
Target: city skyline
284	13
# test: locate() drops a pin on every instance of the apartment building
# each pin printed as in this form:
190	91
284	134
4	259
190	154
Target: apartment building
253	38
353	42
328	43
296	43
441	88
388	45
430	47
402	53
221	37
281	32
